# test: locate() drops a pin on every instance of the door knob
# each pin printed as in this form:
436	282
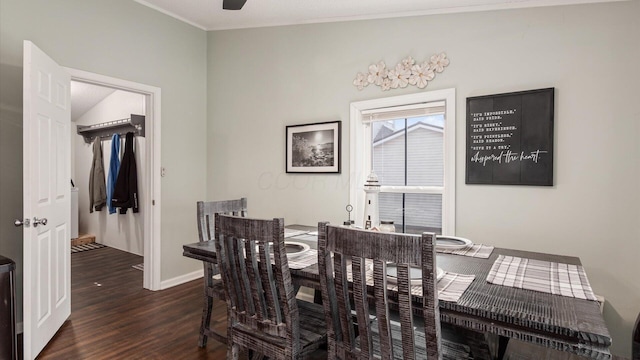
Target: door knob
19	222
37	221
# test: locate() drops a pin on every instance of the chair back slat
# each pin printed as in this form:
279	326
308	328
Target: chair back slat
360	260
347	334
405	311
271	304
260	296
431	308
258	305
329	293
382	311
361	304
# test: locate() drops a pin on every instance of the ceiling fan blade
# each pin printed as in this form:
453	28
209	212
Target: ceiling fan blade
233	4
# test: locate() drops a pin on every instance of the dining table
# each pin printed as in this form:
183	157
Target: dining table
559	322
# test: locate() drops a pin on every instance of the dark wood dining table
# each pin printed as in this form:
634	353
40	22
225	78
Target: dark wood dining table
554	321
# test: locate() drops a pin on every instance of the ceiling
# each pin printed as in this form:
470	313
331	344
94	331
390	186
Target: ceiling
85	96
208	14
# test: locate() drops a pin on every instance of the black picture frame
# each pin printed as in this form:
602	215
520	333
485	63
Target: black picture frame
313	148
510	138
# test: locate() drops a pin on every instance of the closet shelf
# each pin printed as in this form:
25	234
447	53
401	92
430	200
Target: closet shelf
105	130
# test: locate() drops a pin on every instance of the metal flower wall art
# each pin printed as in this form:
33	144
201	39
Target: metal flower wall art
405	73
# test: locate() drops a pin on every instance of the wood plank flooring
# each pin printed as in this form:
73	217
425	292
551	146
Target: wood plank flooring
113	317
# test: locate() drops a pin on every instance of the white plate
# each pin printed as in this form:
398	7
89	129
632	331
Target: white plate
416	274
452	242
295	248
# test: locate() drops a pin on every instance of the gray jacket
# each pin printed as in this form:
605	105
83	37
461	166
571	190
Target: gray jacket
97	187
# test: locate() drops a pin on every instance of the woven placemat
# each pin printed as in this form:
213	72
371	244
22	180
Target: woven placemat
475	250
544	276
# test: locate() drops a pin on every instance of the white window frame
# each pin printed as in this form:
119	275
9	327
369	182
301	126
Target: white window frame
360	153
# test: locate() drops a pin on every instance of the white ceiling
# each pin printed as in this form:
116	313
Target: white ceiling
208	14
85	96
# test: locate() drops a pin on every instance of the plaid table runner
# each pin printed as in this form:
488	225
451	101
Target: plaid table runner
475	250
450	287
544	276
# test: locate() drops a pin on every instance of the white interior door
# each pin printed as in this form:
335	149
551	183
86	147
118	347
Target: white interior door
46	178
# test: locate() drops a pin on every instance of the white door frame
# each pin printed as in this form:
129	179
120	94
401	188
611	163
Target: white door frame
152	241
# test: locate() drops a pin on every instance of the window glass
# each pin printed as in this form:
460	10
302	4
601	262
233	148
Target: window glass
388	152
412	213
409	151
425	152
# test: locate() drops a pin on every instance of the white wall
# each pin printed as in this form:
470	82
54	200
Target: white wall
120	231
125	40
261	80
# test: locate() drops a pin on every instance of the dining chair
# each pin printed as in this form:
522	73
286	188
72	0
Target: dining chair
347	258
263	314
206	211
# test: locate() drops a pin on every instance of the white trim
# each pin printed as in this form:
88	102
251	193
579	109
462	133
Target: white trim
413	189
449	198
406	108
358	150
178	280
173	15
152	234
230	25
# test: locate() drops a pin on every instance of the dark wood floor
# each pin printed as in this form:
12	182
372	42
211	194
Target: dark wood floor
113	317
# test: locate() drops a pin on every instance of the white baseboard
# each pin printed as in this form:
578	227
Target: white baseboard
181	279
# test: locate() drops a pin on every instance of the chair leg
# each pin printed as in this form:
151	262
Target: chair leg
233	352
206	320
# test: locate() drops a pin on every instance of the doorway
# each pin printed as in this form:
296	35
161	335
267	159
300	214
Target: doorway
149	223
108	111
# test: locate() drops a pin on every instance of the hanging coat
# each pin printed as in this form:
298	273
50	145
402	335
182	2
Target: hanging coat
114	166
125	193
97	188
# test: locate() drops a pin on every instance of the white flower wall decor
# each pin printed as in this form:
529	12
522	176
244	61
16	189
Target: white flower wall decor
405	73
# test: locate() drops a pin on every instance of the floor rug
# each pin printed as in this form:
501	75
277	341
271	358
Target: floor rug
86	247
138	267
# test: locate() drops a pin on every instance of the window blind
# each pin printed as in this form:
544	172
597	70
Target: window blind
404	111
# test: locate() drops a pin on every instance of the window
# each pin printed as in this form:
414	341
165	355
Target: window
409	143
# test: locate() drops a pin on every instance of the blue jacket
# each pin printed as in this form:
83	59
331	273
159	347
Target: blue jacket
114	167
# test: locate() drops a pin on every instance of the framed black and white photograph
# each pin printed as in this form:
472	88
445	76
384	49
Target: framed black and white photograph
313	148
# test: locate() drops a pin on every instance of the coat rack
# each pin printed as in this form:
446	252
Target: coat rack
105	130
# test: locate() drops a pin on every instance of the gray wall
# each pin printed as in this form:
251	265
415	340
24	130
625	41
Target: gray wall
122	39
260	80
